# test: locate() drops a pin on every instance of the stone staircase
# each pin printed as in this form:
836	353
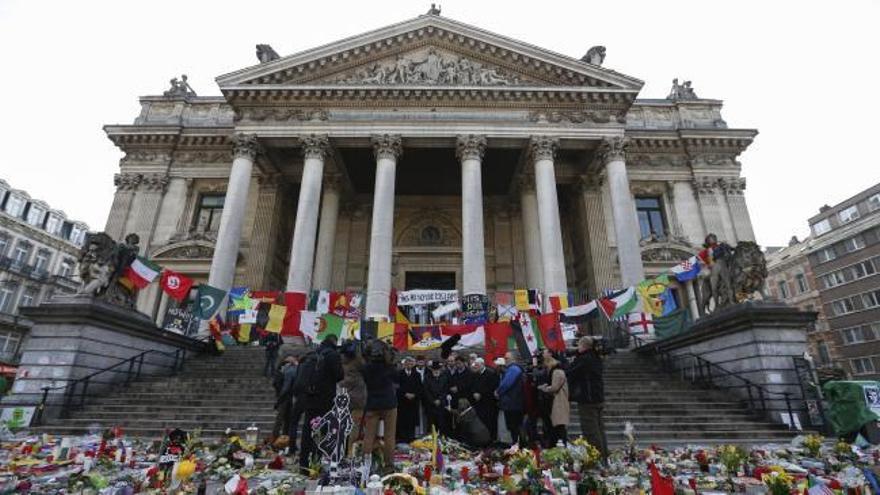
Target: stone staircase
219	392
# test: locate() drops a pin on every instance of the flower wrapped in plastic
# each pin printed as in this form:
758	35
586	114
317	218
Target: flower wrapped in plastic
584	453
778	481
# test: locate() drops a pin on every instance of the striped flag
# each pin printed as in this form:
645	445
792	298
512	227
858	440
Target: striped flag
140	273
619	304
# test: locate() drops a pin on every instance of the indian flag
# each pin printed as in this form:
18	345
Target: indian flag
140	273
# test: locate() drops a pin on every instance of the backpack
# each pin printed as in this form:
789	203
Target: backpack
309	374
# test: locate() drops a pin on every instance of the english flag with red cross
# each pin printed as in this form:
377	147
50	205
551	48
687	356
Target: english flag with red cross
641	323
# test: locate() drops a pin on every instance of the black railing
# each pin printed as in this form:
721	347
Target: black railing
77	391
699	370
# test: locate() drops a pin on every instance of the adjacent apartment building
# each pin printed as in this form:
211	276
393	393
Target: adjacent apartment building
39	247
790	279
844	255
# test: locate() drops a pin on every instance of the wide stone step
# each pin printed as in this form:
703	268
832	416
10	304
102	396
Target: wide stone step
234	423
172	414
218	402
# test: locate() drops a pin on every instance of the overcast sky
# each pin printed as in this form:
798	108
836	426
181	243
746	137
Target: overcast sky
803	73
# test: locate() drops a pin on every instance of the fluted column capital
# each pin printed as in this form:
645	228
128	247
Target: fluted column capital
613	149
245	145
543	147
470	147
387	146
315	145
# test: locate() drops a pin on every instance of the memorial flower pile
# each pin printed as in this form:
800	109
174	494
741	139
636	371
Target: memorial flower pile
111	463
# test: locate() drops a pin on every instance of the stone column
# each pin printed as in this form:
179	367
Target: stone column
595	231
245	150
528	200
470	151
736	201
126	185
623	210
387	149
327	233
302	249
260	268
543	149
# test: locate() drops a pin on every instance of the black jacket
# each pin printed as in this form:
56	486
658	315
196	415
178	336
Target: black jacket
331	374
585	378
435	388
285	393
380	379
409	384
463	381
485	384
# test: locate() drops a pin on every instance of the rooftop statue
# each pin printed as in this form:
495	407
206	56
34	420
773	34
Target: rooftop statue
179	88
434	10
595	55
682	91
265	53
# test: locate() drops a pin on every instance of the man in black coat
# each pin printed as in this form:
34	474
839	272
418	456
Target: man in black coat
408	396
435	391
460	379
482	390
586	388
315	389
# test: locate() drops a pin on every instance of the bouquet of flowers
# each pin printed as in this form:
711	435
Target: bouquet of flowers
523	460
778	481
813	443
584	453
733	457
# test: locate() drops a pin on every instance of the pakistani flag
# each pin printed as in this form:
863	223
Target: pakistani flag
210	300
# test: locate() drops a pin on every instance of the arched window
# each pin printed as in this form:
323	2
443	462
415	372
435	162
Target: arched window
431	235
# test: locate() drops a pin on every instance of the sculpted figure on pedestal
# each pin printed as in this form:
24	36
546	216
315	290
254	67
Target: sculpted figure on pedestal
731	275
682	91
180	88
102	262
265	53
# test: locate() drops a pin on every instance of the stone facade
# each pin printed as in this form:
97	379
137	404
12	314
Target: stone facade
790	280
39	247
426	146
845	259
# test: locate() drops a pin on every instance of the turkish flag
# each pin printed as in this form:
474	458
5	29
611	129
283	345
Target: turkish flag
551	334
176	285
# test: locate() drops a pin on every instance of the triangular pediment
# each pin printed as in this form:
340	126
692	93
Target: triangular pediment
429	50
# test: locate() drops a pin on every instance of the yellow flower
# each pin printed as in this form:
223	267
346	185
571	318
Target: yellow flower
185	469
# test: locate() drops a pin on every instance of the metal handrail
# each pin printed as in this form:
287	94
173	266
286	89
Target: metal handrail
135	366
710	372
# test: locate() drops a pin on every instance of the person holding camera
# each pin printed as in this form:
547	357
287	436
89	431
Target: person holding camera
315	389
588	391
380	376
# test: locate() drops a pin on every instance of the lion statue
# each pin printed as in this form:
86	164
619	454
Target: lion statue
733	275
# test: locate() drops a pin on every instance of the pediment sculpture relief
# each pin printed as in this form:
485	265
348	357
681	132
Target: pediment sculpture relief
431	68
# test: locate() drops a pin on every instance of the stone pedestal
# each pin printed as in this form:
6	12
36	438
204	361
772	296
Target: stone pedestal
73	337
757	341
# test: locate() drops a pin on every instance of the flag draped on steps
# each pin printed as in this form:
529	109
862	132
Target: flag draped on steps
672	324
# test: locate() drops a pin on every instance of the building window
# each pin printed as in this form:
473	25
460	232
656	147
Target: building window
783	289
76	235
42	260
860	334
651	222
210	210
843	306
801	283
853	244
66	269
7	297
849	214
4	243
874	202
53	224
35	215
871	299
833	279
821	227
28	297
14	205
22	253
824	355
9	342
862	366
826	254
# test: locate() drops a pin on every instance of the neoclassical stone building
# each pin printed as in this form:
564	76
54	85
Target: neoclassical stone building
429	153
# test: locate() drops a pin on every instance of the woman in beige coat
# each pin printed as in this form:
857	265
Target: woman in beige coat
558	387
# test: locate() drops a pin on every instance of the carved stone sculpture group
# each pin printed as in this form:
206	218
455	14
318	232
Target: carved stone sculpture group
433	68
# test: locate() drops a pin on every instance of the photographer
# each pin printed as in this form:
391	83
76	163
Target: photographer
380	376
585	374
314	388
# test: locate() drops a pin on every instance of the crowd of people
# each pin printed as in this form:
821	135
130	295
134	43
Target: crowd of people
393	397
